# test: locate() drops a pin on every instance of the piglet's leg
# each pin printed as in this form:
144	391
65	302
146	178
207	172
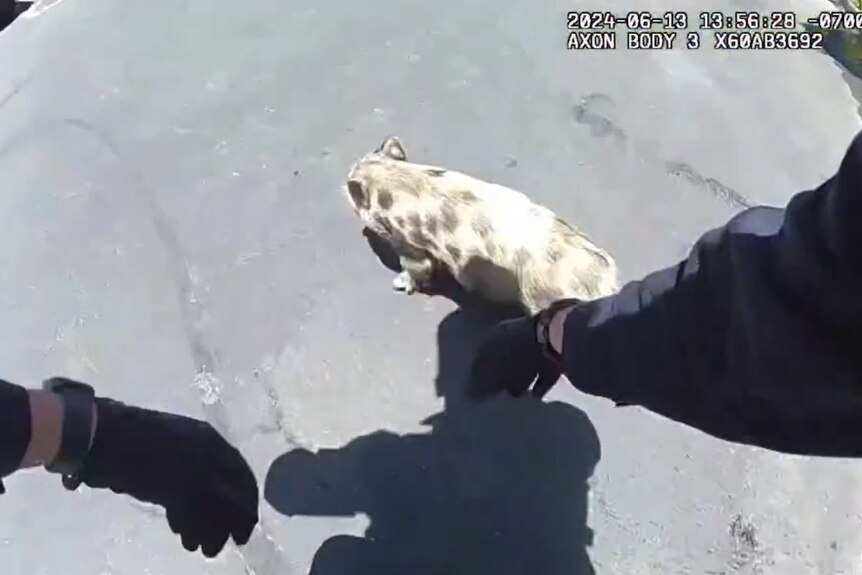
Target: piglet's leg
417	275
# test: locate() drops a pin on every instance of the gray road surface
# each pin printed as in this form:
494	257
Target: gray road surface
172	230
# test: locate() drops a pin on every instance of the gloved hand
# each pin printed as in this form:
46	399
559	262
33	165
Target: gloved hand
207	489
511	359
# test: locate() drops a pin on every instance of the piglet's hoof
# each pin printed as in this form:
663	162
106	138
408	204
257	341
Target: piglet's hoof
403	283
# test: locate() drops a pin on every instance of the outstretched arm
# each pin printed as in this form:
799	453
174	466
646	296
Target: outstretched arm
755	337
133	451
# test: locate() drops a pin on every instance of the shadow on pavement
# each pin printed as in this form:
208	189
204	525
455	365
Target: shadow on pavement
498	488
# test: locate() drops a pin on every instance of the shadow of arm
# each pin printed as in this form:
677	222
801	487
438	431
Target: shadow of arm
328	482
300	482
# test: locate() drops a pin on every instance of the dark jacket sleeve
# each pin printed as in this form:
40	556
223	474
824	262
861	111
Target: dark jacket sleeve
14	426
756	337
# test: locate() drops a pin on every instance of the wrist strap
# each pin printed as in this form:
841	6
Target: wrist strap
78	400
543	324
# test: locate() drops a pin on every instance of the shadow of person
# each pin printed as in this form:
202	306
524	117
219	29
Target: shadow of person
500	487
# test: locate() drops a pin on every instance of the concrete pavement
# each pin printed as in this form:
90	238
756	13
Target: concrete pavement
172	230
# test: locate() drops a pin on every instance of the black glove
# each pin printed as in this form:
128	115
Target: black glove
207	489
511	359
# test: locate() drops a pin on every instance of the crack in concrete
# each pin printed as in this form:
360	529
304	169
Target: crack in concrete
16	90
261	554
600	126
711	185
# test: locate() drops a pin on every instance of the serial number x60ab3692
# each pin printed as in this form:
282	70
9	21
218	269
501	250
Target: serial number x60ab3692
768	40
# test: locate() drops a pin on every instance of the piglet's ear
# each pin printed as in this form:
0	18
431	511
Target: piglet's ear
393	148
